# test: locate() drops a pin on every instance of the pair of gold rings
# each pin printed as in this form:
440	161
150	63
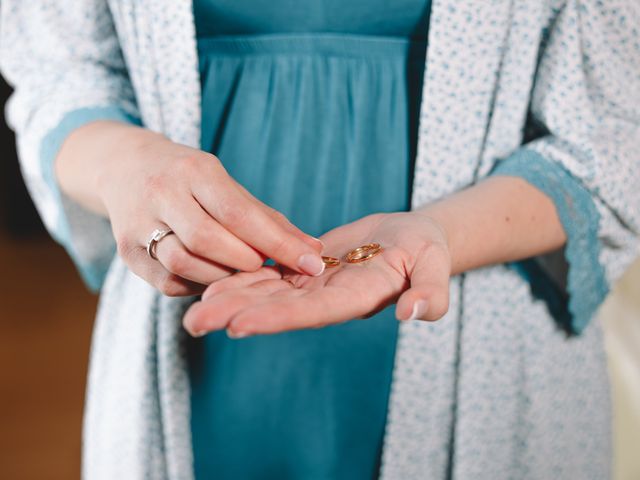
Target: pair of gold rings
357	255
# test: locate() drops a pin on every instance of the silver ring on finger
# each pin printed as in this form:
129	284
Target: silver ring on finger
157	235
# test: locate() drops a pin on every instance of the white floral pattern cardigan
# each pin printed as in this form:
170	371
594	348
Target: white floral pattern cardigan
548	90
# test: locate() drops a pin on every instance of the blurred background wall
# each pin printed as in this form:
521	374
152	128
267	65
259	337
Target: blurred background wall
46	316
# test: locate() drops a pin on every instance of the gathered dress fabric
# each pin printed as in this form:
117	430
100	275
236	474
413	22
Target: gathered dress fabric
311	107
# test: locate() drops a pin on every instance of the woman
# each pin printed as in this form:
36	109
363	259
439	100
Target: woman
526	148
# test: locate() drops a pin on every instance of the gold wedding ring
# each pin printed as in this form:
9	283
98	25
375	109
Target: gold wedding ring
365	252
331	261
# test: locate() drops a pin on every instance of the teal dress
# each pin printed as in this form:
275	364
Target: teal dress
312	106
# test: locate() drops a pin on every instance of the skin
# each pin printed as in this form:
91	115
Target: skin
478	226
141	180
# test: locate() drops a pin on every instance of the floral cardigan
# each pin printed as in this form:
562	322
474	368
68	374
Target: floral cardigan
546	90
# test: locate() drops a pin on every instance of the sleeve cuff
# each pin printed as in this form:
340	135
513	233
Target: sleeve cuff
572	300
85	235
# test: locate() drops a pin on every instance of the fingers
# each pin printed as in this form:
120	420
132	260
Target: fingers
176	259
152	271
176	272
241	279
302	309
215	312
252	224
204	237
339	295
284	222
428	295
262	302
280	218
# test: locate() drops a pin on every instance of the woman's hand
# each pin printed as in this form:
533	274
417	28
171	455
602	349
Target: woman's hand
142	181
413	270
480	225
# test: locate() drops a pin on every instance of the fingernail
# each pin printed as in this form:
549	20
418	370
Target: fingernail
318	240
235	335
311	264
419	310
199	334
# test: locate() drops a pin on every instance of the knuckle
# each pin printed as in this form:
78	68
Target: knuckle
214	169
214	162
281	218
199	164
254	264
169	286
176	260
198	240
124	246
277	215
232	214
280	247
155	184
189	164
248	260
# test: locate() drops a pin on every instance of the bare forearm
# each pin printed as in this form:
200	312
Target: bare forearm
88	151
498	220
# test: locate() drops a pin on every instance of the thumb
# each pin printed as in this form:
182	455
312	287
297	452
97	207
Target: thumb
427	298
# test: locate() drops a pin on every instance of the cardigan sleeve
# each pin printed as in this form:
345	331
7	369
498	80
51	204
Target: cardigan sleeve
585	106
64	62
